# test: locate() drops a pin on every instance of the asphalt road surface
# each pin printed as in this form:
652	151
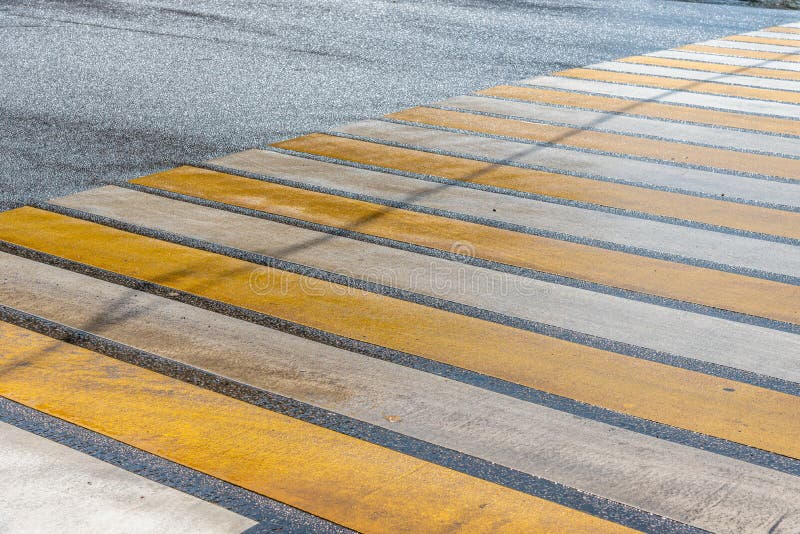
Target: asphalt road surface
99	91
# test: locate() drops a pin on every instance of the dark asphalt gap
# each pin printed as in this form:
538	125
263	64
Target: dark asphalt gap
98	91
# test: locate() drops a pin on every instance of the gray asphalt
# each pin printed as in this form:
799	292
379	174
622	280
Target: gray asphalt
100	91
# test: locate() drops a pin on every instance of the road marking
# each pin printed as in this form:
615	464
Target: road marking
634	231
47	487
757	297
739	52
775	33
664	95
727	214
669	151
652	474
247	504
638	126
704	58
646	109
683	85
737	45
352	482
596	227
763	40
735	345
734	52
782	29
749	415
654	175
699	75
713	67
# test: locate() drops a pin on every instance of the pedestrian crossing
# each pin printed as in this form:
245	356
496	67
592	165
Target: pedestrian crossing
766	38
633	101
570	304
775	72
731	49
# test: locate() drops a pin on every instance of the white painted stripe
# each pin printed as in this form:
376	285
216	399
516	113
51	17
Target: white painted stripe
579	118
720	43
698	75
727	60
641	172
47	487
656	236
563	306
727	249
673	331
727	103
648	473
775	35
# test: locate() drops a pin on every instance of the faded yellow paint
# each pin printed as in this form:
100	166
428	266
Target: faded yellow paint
763	40
343	479
714	67
781	29
671	151
737	52
753	296
678	397
643	108
659	82
709	211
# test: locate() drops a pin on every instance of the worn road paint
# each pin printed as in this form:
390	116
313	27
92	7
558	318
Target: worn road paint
762	298
741	52
48	487
351	482
640	108
735	345
699	76
713	67
763	40
596	120
663	203
669	151
659	82
723	408
649	473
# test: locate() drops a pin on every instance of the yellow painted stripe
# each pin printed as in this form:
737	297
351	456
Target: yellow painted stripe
781	29
709	211
763	40
351	482
714	67
736	52
659	82
678	397
670	151
641	108
754	296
